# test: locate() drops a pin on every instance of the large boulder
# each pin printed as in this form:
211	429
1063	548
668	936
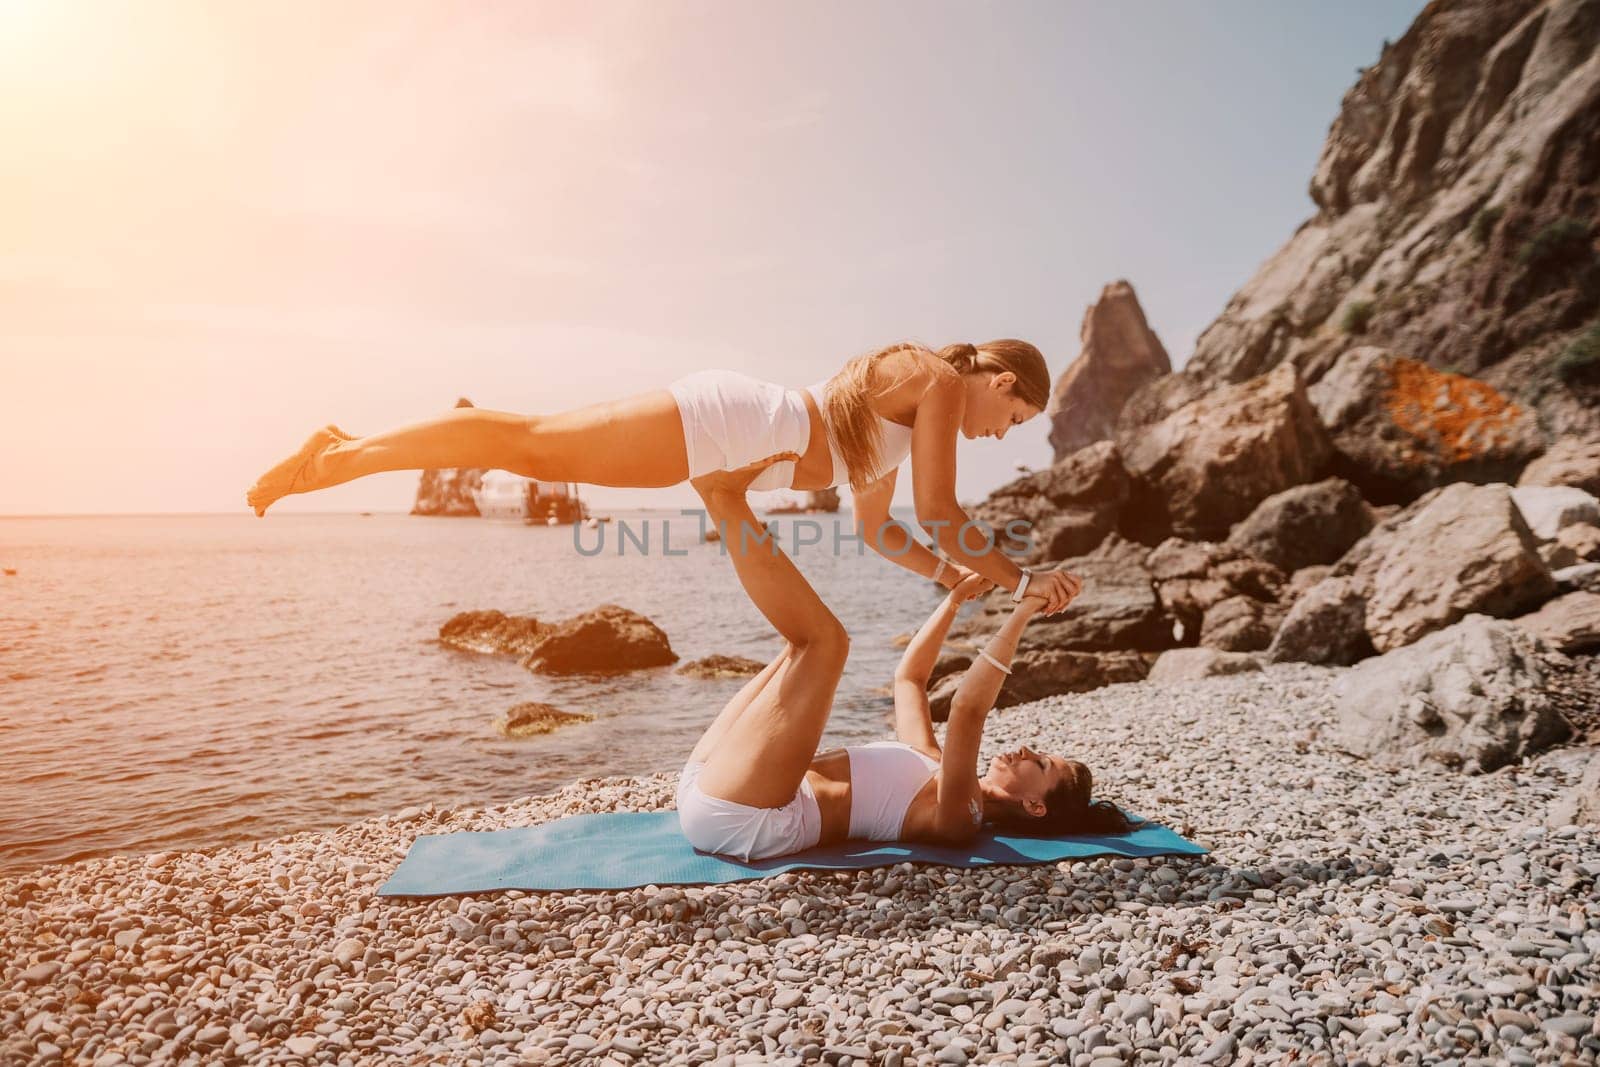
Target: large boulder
1240	624
1207	465
1467	550
1471	696
1569	623
1578	543
1549	509
1304	526
608	638
1400	428
493	633
1120	353
1573	461
1067	509
1191	664
1581	803
1327	625
1116	612
1193	577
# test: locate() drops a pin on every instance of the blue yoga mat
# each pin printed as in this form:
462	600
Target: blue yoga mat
621	850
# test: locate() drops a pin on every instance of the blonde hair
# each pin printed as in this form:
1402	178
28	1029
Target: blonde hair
854	426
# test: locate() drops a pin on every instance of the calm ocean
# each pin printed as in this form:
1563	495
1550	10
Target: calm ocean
185	681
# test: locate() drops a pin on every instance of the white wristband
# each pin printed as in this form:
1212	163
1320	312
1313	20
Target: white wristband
1022	586
1001	667
938	572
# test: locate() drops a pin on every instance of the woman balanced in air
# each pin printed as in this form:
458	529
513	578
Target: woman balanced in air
756	787
856	428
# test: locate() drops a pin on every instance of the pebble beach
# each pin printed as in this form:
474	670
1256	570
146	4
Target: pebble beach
1344	915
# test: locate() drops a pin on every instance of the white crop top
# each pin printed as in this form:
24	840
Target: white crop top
896	441
885	777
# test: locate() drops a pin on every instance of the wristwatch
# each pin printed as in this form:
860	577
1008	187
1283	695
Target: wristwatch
1022	586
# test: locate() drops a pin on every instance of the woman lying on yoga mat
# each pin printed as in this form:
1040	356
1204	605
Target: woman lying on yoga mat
755	785
856	428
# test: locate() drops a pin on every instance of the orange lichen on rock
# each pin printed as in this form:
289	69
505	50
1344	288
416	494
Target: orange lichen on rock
1458	418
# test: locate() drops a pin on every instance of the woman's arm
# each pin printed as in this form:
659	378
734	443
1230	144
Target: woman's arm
958	771
933	483
923	651
913	719
892	540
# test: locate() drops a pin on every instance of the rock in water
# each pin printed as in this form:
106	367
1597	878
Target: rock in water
720	666
608	638
1401	428
449	491
532	719
1471	696
1304	526
1573	461
492	632
1467	550
1120	353
1208	464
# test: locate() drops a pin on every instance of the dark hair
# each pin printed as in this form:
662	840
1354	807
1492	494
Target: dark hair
1067	810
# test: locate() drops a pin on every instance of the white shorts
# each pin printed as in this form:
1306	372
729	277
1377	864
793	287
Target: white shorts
741	831
731	419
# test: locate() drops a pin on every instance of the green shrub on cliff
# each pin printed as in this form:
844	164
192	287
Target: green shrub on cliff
1484	222
1356	317
1561	241
1581	356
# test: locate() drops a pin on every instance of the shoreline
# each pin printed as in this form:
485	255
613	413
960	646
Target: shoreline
1344	912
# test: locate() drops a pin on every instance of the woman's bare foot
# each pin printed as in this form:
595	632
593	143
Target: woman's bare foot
300	473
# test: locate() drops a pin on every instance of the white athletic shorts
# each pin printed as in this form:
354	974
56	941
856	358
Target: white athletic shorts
741	831
731	419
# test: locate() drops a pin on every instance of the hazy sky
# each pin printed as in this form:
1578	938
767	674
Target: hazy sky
224	224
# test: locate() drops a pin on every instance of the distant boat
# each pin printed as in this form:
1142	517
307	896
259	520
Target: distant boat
510	497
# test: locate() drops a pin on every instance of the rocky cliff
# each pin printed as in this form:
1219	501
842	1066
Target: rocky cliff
1119	354
1458	196
1328	478
449	492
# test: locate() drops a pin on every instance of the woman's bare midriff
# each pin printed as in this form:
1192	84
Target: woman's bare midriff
829	776
815	469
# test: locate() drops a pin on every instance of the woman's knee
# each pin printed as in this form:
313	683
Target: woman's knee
829	640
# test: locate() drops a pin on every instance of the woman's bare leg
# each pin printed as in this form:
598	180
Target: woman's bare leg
767	748
635	443
735	707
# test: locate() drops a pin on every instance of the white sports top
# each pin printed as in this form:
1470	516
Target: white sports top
885	777
896	441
